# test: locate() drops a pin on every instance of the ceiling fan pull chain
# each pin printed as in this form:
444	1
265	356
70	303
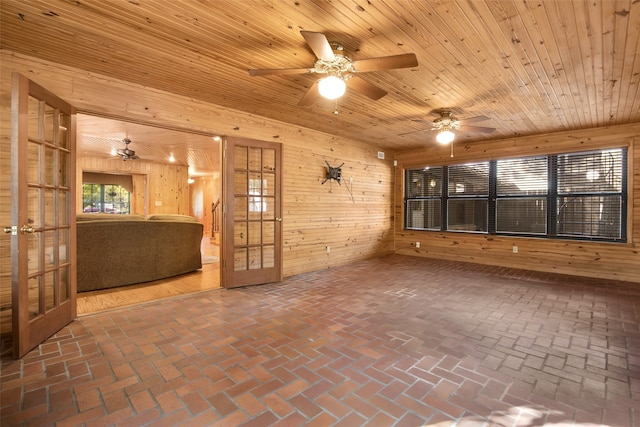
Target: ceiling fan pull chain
451	148
335	112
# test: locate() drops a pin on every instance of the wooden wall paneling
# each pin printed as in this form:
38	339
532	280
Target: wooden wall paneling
594	259
166	184
304	150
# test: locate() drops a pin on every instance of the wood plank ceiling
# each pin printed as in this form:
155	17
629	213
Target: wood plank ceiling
530	66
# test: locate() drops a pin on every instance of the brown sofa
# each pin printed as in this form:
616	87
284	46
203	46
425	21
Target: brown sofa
120	250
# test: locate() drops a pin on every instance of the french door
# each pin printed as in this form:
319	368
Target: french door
252	210
43	288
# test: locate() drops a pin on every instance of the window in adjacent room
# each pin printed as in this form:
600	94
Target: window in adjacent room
575	195
106	193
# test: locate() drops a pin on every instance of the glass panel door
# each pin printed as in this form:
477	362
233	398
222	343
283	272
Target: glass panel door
42	247
252	244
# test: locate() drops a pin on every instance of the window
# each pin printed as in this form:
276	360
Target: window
105	198
521	195
467	197
591	190
575	195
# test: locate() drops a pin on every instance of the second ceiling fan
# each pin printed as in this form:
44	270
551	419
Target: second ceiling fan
341	71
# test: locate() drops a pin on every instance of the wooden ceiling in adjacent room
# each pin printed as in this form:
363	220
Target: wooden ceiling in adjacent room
529	66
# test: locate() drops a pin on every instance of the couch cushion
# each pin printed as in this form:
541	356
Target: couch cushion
108	217
171	217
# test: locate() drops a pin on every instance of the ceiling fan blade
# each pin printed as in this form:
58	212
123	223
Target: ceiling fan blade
278	71
365	88
319	45
473	119
405	60
478	129
312	94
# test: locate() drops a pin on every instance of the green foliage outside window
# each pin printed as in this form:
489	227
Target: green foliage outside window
105	198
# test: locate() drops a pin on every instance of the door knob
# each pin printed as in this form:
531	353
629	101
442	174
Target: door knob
25	229
11	230
279	219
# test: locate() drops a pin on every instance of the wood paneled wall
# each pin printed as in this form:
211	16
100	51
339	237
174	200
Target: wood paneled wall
205	191
602	260
315	215
157	188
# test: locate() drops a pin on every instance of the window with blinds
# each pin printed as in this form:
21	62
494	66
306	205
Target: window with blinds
521	195
590	194
423	206
575	195
468	197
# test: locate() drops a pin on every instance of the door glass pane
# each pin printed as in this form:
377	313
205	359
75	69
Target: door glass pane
49	249
255	258
49	200
240	259
268	260
49	286
63	211
63	131
255	159
268	184
255	237
33	170
240	233
63	169
63	284
49	116
268	160
269	212
49	170
63	236
240	183
240	208
33	243
255	198
34	296
268	232
241	158
33	207
34	119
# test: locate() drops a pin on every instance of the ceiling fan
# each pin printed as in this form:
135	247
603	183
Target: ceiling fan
341	70
125	153
446	124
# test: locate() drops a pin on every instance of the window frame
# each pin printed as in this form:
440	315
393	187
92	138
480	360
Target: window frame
551	197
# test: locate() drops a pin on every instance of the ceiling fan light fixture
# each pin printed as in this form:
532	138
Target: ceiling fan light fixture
445	137
332	87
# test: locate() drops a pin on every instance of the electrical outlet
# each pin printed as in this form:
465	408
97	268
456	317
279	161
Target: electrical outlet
417	244
515	249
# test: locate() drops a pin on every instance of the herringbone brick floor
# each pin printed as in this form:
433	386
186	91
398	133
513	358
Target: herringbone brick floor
395	341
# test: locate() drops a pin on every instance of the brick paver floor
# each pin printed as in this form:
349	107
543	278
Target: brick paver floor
393	341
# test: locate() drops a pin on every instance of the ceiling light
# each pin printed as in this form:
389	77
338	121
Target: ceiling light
332	87
114	152
172	158
190	180
445	137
